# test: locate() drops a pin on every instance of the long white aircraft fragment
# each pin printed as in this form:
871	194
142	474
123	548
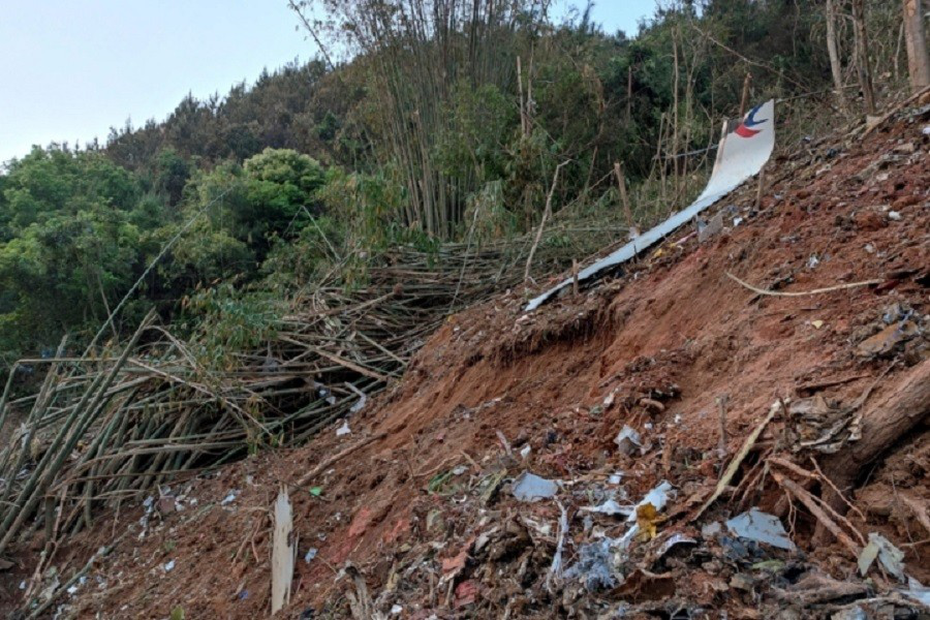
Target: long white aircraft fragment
742	153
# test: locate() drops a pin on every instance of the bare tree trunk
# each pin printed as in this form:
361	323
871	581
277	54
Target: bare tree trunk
542	223
629	94
625	200
675	125
918	61
744	100
835	68
524	128
862	53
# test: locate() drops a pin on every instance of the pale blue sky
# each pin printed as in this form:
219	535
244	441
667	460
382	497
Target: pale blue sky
71	69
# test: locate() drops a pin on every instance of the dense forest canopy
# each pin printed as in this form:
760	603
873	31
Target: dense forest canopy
448	121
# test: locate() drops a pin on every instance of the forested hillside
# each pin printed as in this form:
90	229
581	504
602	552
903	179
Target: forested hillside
444	122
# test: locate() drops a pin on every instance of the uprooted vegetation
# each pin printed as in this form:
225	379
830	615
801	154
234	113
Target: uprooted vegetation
156	409
703	379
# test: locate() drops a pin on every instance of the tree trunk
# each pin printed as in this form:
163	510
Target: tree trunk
918	61
862	53
629	94
835	68
905	406
744	100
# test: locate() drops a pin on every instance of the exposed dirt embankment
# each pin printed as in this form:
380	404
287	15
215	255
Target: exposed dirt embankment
668	348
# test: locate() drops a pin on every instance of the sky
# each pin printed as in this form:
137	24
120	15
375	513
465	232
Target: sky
71	69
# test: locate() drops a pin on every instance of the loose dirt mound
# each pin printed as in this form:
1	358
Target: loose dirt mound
424	509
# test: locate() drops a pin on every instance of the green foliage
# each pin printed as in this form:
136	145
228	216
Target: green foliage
421	138
229	321
280	193
370	207
477	139
77	230
49	182
71	244
266	201
171	174
299	261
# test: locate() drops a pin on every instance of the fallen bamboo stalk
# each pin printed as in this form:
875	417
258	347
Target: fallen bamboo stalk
32	494
165	410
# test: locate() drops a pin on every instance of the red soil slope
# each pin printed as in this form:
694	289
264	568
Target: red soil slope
421	514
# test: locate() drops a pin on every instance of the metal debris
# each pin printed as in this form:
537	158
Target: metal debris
530	488
658	497
709	530
760	527
890	556
609	507
675	539
595	566
628	440
917	591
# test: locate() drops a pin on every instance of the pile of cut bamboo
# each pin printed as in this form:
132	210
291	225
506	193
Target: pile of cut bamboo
108	427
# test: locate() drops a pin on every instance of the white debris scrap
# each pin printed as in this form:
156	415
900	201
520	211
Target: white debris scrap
609	507
658	497
530	487
283	552
760	527
362	399
890	556
917	591
675	539
628	440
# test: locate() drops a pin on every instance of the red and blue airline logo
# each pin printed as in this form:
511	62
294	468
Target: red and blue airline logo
745	129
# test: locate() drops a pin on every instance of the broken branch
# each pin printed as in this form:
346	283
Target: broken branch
816	291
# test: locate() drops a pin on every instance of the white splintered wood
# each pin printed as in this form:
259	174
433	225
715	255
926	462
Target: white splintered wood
283	552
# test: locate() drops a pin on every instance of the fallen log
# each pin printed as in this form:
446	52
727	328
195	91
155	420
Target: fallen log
903	407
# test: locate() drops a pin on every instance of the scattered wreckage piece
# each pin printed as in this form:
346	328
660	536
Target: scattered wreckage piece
739	157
